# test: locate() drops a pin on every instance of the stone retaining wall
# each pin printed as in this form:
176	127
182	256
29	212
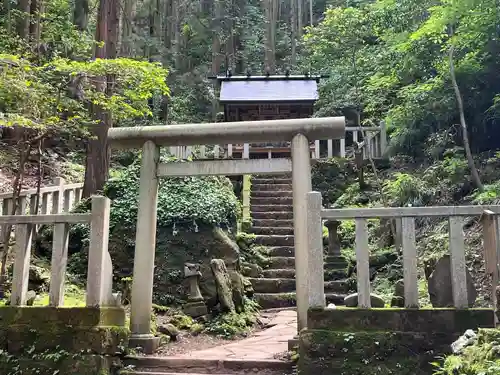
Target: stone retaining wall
44	340
382	341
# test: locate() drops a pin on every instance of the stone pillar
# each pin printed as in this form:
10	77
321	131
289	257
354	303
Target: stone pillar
316	274
142	283
333	237
301	183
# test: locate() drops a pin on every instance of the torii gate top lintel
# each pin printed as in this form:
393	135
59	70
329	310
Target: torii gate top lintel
228	132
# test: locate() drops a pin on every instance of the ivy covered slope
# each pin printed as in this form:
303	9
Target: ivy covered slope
195	216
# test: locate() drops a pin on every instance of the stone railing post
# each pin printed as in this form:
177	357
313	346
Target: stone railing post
458	266
362	263
58	196
22	251
145	245
316	283
58	264
333	237
98	288
409	262
383	138
301	183
491	244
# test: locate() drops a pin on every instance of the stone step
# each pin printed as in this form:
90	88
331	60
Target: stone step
273	223
289	273
285	273
271	187
335	265
281	262
270	180
281	251
265	285
265	193
271	208
278	300
199	366
283	215
274	240
258	201
272	230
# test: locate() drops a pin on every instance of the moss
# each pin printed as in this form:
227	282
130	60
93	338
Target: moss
449	321
77	316
182	321
231	325
98	340
50	363
327	352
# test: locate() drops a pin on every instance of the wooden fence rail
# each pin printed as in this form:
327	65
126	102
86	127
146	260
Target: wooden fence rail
406	217
100	274
374	144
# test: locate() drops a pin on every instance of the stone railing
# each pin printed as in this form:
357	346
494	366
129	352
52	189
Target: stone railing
58	198
374	144
405	222
100	275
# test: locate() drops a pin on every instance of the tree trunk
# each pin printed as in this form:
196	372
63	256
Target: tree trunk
37	8
23	21
293	24
98	155
128	14
470	160
311	20
300	18
270	11
81	14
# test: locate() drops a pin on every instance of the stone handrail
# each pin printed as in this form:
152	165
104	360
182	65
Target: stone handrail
405	222
100	274
374	145
58	198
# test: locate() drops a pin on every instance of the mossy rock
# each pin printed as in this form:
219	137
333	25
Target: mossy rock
385	353
59	363
97	340
173	250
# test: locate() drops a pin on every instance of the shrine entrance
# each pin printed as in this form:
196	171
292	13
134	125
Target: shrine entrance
298	132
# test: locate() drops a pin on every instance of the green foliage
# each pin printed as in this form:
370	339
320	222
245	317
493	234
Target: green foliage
475	360
231	325
391	60
406	189
490	195
188	201
56	98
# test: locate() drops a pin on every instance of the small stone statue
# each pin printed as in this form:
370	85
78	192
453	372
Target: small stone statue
333	238
195	307
192	273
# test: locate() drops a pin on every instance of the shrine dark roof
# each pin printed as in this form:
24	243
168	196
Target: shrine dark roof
238	89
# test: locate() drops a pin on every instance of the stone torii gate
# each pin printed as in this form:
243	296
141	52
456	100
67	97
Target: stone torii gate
299	131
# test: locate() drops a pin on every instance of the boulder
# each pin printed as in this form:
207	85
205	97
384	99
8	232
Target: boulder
352	300
440	290
30	297
173	251
39	279
238	289
467	339
223	285
399	288
169	330
397	301
251	270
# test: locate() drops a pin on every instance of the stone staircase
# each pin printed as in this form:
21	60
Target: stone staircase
272	215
